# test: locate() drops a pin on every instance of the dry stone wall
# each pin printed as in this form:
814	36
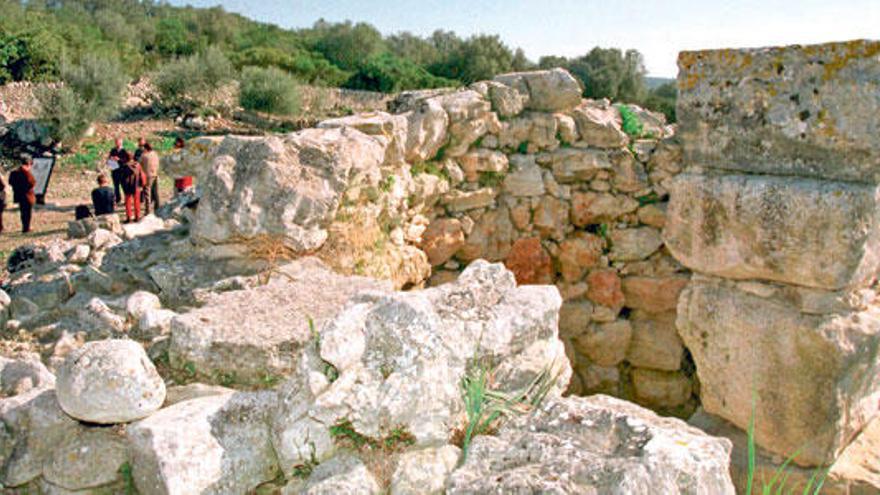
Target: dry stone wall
777	214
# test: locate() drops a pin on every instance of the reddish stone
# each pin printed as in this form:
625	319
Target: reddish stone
579	254
442	239
653	295
604	288
529	262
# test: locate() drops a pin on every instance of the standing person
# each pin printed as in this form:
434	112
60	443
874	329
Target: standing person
140	149
22	182
103	199
113	165
132	178
150	164
2	201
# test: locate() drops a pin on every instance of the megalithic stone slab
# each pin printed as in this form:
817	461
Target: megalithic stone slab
806	232
811	111
812	381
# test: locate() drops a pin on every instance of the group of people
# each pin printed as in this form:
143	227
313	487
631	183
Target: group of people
136	175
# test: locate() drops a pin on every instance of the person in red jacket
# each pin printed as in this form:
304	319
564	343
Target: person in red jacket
132	181
22	182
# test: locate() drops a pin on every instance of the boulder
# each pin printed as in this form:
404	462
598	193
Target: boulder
88	459
109	381
605	288
391	128
154	323
33	428
81	229
473	163
553	90
395	360
634	244
490	239
300	178
605	344
23	374
661	389
812	381
506	101
344	473
595	445
653	294
590	208
470	118
528	133
442	238
571	165
529	262
805	232
427	124
424	471
252	336
598	125
525	177
140	303
578	254
809	111
655	342
210	445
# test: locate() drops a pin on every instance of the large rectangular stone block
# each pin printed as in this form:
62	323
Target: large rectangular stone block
811	381
811	111
807	232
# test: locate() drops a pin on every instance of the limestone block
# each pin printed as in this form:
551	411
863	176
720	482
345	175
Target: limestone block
811	111
806	232
549	90
815	379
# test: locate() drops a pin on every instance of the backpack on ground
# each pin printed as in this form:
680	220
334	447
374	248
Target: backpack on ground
82	211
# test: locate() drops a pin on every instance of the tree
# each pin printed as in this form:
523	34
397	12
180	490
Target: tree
520	63
479	57
173	38
417	50
347	45
269	90
190	83
388	74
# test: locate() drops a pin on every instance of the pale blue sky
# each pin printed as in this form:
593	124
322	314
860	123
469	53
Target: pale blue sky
659	29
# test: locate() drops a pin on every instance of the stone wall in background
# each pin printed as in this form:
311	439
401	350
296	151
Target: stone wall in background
777	214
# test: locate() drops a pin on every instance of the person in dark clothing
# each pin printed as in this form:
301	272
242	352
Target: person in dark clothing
140	149
22	182
2	202
103	199
133	180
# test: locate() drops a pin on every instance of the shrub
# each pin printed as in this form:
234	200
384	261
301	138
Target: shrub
189	83
631	124
92	91
269	90
390	74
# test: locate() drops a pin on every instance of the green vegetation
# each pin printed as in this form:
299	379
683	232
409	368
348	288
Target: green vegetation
269	90
779	482
92	91
37	37
344	433
486	408
491	179
431	168
631	124
127	479
190	83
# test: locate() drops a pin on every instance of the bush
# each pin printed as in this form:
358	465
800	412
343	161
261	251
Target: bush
390	74
269	90
188	83
92	91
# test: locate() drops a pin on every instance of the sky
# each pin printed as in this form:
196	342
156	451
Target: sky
659	29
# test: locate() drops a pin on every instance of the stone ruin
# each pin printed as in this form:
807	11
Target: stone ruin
330	289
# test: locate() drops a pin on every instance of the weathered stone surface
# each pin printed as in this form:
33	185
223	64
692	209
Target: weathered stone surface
590	208
181	393
470	118
248	336
655	342
140	303
109	381
33	428
344	473
549	90
859	462
810	111
628	174
653	215
814	379
442	238
525	177
80	229
426	130
391	128
595	445
661	388
424	471
482	160
599	125
550	217
490	239
800	231
574	317
212	445
605	344
458	200
634	244
300	178
23	374
155	322
578	254
528	133
395	360
653	294
605	288
571	165
88	459
506	101
529	262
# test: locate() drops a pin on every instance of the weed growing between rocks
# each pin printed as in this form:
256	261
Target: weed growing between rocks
631	124
486	408
778	484
379	455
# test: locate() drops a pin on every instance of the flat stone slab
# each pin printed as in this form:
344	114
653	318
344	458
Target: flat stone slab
251	336
805	232
811	111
